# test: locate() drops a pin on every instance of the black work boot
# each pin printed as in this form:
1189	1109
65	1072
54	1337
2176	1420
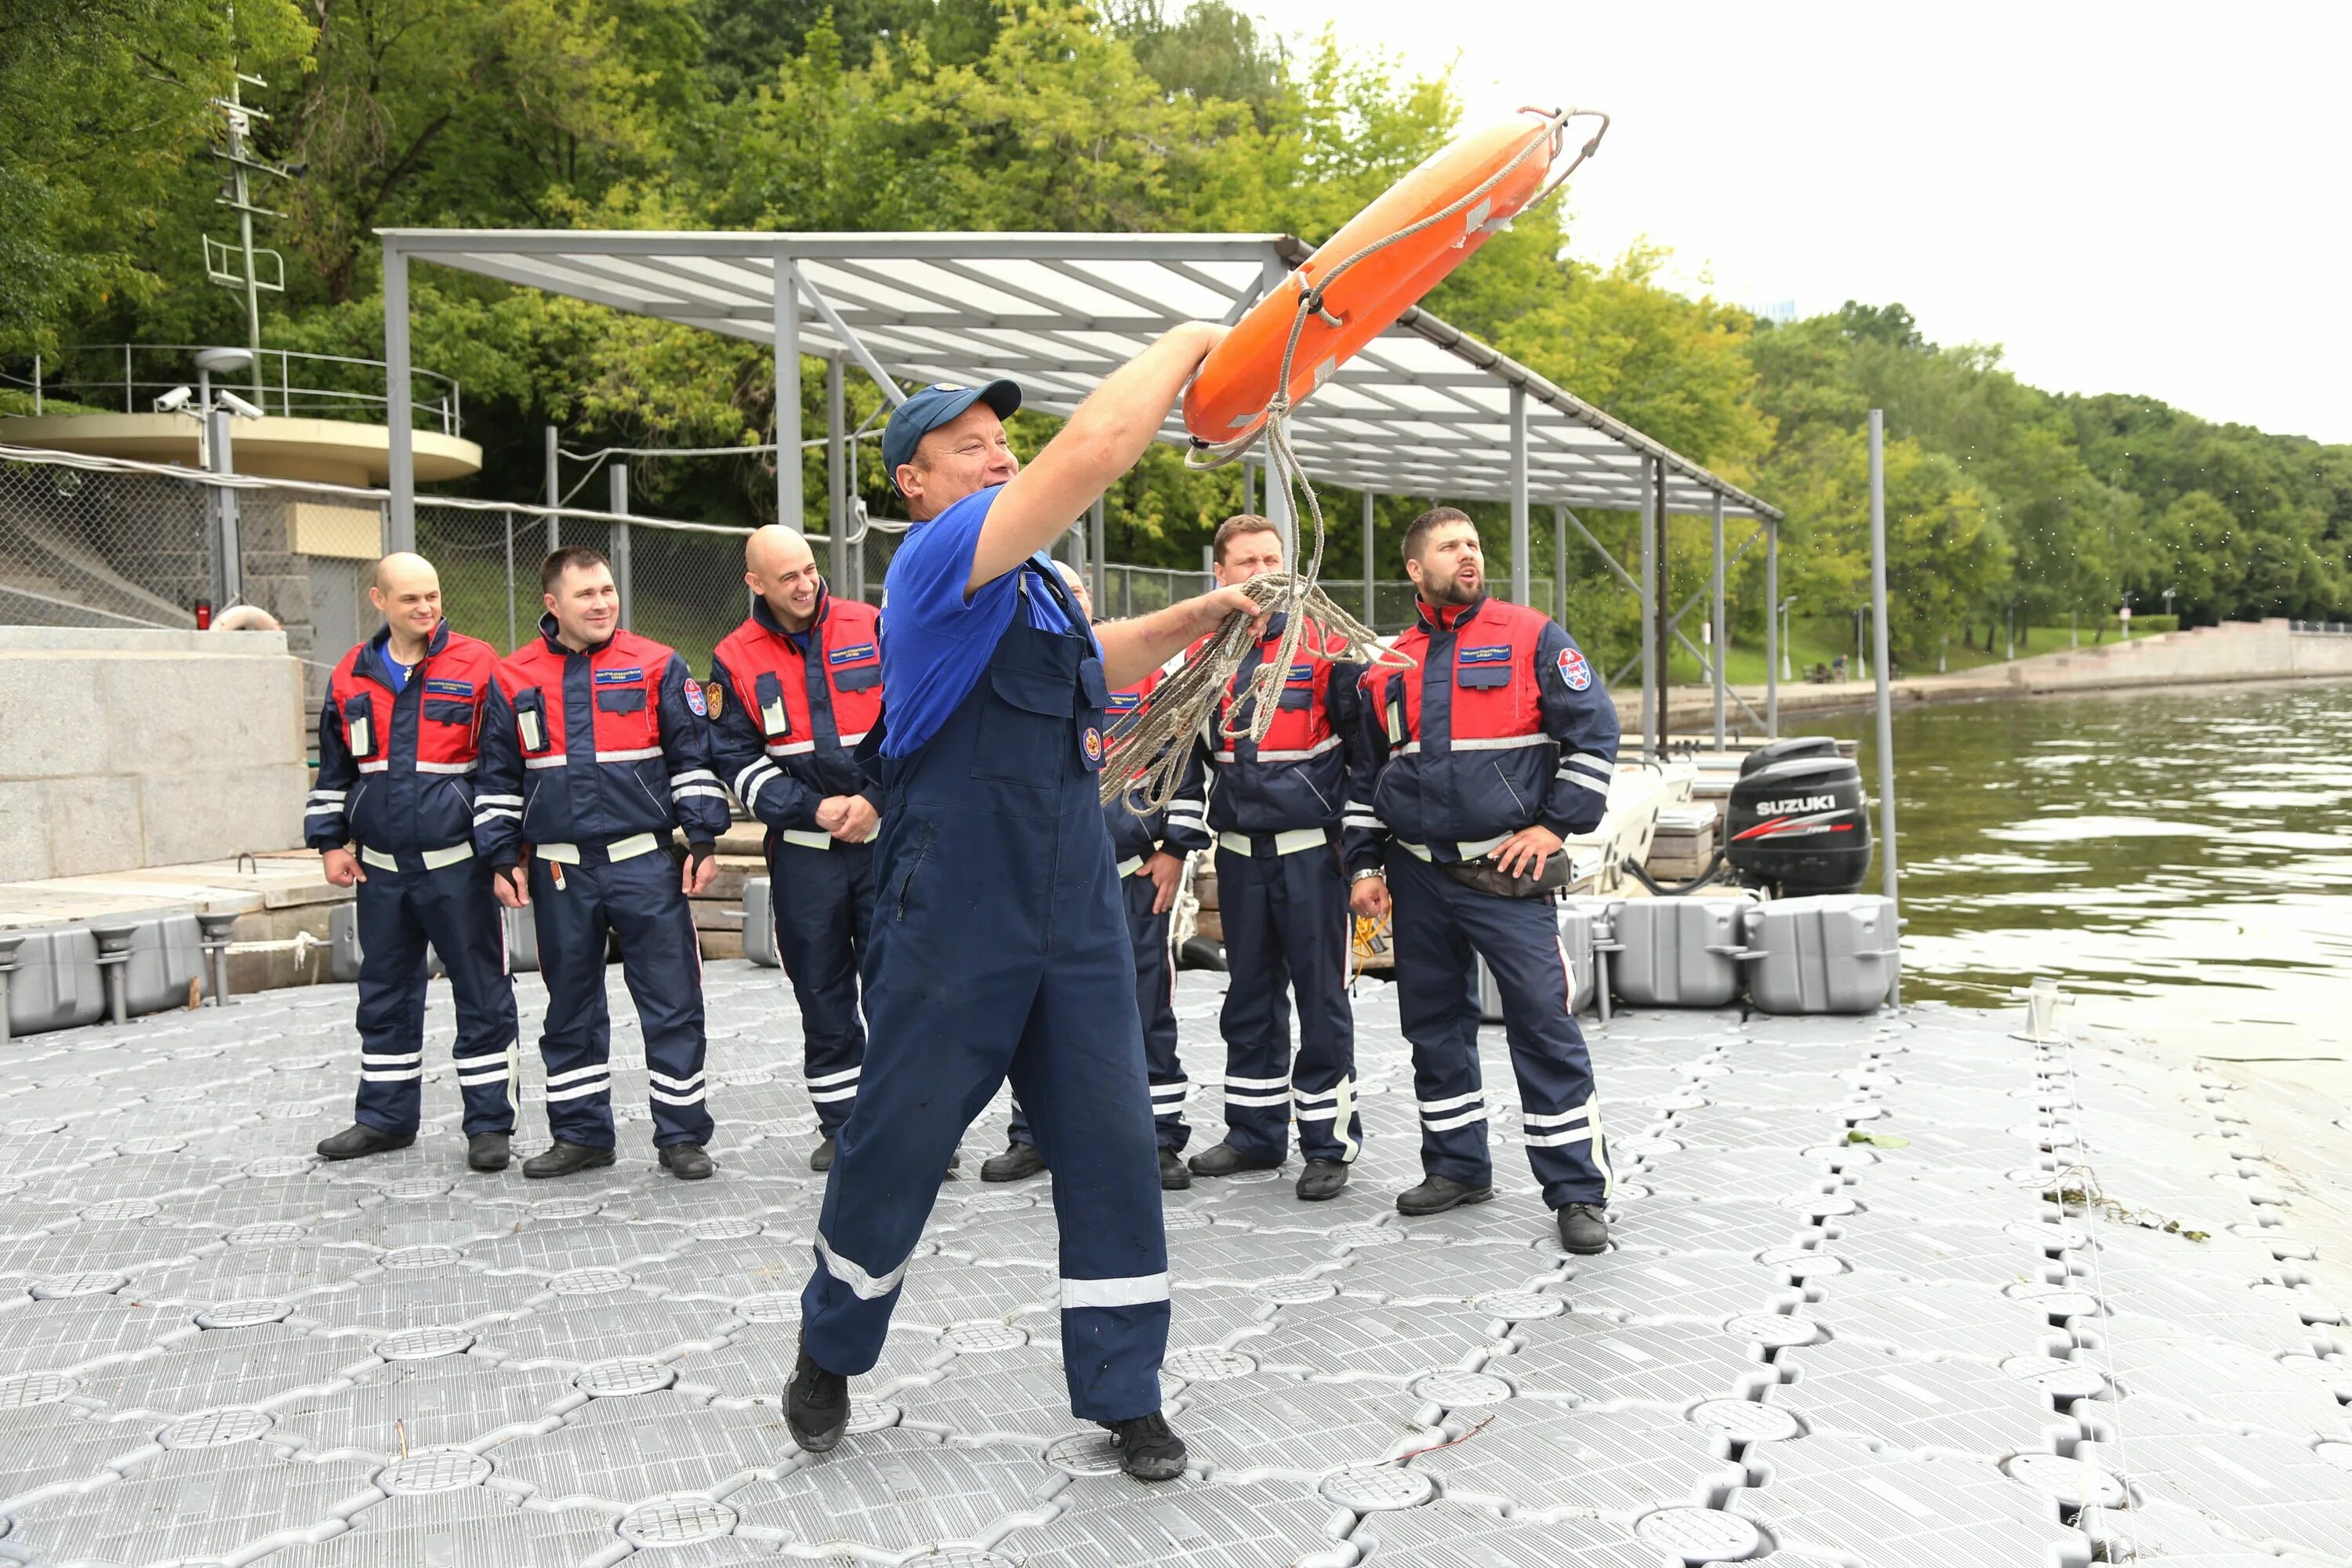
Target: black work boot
821	1157
1437	1194
816	1406
1225	1160
1018	1162
1147	1450
358	1140
1584	1228
1174	1175
487	1152
562	1159
687	1162
1322	1179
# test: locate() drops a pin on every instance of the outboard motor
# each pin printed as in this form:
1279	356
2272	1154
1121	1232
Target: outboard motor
1798	823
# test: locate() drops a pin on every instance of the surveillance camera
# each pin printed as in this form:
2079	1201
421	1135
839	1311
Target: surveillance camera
173	401
239	406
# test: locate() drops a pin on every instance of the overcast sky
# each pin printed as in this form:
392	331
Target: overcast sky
2146	198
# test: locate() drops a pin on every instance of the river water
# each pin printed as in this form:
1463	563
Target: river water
2181	861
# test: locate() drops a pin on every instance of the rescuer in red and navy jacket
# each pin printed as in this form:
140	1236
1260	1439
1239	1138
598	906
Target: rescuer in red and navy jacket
391	812
1280	811
793	693
596	746
1495	744
1150	850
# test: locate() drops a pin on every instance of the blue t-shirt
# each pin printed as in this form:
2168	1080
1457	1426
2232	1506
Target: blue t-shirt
935	643
396	674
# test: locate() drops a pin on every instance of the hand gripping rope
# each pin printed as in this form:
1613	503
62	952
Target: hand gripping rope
1159	727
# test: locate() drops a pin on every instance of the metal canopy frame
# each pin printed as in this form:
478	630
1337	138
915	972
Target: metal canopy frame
1425	410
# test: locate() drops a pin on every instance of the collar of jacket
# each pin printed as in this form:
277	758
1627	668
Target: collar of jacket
768	622
555	645
1446	617
380	646
1274	624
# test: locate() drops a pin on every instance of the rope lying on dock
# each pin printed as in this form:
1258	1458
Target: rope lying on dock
1162	727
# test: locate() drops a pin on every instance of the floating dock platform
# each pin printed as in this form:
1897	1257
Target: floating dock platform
1895	1289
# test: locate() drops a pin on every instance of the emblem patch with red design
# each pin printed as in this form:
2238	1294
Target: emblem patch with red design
1574	673
1093	747
693	689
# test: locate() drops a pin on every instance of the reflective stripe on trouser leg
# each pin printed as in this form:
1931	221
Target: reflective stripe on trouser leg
1437	1008
1256	1017
575	1039
1561	1114
1081	1077
824	906
460	914
1155	999
390	1004
661	961
1310	909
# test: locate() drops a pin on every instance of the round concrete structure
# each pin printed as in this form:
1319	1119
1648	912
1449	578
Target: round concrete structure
326	451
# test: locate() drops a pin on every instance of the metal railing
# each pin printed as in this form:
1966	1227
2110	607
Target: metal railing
2333	628
282	382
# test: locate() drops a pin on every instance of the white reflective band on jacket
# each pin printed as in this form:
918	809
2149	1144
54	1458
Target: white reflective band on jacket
1286	843
627	848
433	858
1129	866
1483	743
1461	851
1317	750
810	838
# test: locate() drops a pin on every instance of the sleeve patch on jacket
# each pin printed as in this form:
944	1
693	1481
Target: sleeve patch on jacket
693	689
1574	673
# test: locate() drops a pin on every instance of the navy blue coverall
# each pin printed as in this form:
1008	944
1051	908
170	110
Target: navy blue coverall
591	759
1280	810
396	781
1500	725
998	949
788	711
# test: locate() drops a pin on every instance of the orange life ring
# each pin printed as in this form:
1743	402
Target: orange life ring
1227	401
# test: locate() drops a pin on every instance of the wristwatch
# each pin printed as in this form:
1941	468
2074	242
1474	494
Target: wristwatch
1366	871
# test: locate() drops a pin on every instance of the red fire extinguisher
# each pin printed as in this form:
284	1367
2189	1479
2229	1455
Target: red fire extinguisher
204	614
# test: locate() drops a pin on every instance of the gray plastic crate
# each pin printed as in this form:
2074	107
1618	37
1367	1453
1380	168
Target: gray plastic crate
167	953
759	924
57	983
1835	954
1679	952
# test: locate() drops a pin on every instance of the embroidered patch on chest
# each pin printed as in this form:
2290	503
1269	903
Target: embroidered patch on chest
1124	703
1574	673
846	654
1299	672
435	686
693	689
619	677
1498	654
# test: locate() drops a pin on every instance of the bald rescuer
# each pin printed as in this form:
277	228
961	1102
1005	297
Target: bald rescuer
1000	938
596	748
793	692
1498	742
393	812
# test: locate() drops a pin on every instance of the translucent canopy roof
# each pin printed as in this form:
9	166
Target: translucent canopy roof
1425	411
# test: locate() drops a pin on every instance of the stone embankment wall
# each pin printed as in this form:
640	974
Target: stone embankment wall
125	749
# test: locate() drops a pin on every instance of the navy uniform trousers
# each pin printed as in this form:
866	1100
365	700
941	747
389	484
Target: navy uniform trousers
639	903
999	949
1155	1003
1438	923
1287	924
822	901
401	908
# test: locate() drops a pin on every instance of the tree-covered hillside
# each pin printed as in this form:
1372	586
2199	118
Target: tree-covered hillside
2005	501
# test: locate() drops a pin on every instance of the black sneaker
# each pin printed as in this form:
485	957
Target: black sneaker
687	1162
1437	1194
1584	1229
560	1159
1174	1175
359	1139
1147	1450
1225	1160
1017	1163
816	1406
487	1152
821	1157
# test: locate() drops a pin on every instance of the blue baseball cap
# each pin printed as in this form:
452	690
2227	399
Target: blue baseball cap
933	406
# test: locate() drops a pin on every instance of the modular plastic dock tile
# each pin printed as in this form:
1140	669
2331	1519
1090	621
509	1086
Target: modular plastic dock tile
578	1329
442	1401
1931	1317
1300	1430
1342	1338
1019	1393
1443	1536
1739	1225
1533	1456
83	1332
455	1528
1603	1362
384	1302
1894	1244
897	1490
56	1446
618	1450
199	1505
225	1366
1834	1495
2265	1488
2225	1384
1844	1388
1705	1286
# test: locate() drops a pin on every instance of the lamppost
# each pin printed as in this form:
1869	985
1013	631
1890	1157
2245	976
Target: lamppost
2167	600
213	411
1786	624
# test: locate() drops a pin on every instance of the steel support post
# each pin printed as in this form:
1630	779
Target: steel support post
1098	524
1249	486
1772	629
511	615
1717	643
1560	564
401	520
1664	623
1652	676
1885	696
229	549
618	478
1369	523
1522	575
836	478
554	493
786	325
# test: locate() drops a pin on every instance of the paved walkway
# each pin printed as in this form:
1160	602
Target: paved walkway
1842	1325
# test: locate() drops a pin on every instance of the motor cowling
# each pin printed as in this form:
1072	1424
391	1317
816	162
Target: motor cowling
1798	823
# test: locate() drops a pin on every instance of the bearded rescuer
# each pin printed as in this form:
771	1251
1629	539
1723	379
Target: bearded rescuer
596	748
393	812
999	944
793	692
1495	744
